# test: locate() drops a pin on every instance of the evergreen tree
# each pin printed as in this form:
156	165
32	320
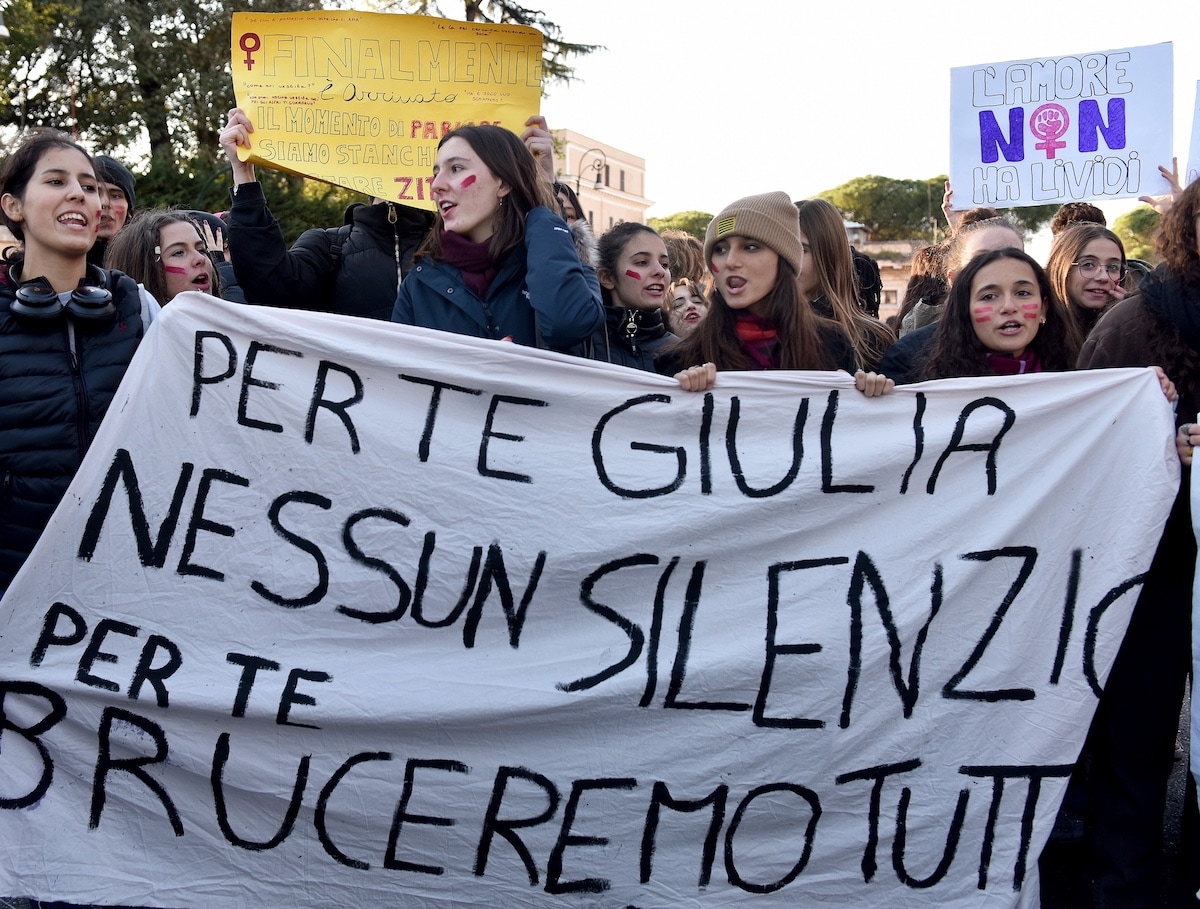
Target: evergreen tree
556	51
1137	229
130	76
895	209
693	222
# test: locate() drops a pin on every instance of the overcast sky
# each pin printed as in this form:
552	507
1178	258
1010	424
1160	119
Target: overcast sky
724	99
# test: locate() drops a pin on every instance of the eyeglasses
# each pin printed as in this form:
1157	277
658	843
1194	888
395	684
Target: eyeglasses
1089	268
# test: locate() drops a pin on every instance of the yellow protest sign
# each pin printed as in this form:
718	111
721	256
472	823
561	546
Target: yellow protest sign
362	99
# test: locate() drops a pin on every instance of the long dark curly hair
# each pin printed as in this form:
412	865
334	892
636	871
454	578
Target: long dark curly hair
957	350
1176	238
1179	273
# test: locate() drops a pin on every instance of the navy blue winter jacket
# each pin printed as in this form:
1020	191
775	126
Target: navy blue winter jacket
541	283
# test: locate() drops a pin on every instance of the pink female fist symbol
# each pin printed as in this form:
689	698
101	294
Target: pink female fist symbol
1048	123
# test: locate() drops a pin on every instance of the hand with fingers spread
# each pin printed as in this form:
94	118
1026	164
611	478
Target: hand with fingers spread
1162	204
214	243
953	216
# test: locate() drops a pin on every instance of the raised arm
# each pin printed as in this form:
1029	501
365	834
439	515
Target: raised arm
268	272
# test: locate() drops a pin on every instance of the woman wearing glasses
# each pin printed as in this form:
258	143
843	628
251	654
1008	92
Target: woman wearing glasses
1086	267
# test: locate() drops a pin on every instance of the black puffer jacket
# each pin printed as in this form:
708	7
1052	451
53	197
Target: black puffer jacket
631	337
353	269
57	379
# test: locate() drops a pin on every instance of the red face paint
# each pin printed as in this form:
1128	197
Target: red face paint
1031	310
174	270
630	273
983	318
470	181
715	270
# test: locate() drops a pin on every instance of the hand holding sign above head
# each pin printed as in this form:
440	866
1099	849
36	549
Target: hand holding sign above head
236	134
540	142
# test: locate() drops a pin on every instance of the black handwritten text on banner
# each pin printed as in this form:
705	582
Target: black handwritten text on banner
336	606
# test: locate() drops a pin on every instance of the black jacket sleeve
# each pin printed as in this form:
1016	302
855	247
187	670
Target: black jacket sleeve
269	273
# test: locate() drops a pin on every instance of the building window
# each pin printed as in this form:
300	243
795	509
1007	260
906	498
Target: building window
622	173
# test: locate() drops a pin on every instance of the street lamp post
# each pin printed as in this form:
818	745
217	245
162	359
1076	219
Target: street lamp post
598	166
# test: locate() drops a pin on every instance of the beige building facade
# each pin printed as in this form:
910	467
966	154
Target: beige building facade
610	182
894	258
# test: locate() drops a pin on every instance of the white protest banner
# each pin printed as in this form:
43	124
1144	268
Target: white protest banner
341	611
1061	129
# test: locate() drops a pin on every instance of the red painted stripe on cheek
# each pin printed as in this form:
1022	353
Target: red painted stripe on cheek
715	270
983	318
470	181
174	270
630	273
1031	310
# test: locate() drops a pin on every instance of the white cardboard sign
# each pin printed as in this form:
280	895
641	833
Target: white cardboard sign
1061	129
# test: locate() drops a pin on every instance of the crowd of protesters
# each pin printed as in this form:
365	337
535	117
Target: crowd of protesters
507	256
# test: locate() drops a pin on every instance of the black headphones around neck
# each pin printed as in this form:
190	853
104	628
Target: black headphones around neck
91	301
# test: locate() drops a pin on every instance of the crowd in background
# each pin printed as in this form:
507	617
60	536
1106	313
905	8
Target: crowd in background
507	256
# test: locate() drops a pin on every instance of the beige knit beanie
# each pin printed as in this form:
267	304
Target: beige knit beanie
770	218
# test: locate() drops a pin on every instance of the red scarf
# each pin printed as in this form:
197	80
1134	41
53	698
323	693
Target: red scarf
471	259
1004	365
758	340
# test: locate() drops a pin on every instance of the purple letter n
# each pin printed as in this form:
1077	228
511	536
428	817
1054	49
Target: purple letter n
1091	125
991	137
